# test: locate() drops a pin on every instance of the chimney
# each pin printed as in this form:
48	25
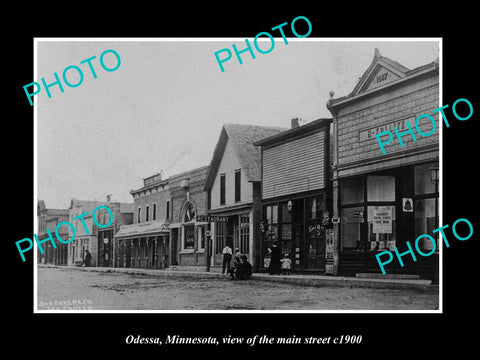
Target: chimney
295	123
109	197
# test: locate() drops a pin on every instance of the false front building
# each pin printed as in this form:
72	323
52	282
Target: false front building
384	200
296	200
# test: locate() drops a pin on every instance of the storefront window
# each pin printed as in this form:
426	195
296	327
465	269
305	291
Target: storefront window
380	188
425	222
423	182
189	237
381	228
219	237
244	234
352	218
352	190
271	233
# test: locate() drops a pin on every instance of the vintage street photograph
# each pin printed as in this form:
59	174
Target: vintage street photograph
212	175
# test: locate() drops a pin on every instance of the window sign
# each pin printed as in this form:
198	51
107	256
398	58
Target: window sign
382	219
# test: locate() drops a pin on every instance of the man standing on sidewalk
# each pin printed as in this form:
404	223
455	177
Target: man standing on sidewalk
227	257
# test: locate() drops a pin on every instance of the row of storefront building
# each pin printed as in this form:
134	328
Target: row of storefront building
322	191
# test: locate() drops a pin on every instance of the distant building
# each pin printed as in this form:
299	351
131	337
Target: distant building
98	241
49	219
145	243
187	230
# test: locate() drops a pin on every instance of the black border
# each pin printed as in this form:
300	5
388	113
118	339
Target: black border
383	334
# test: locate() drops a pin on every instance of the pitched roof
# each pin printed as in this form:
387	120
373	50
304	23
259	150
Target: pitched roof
242	138
397	74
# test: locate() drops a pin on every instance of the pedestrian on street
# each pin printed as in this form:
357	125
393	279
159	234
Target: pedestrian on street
274	267
286	264
87	259
236	262
227	257
244	269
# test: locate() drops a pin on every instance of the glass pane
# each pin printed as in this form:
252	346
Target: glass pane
351	190
380	188
286	231
286	215
381	227
425	222
274	214
351	222
423	182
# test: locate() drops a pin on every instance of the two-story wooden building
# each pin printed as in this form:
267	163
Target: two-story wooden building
296	194
88	236
233	183
384	200
145	242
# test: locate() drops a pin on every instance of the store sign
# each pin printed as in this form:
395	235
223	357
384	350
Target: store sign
407	204
399	124
382	220
211	218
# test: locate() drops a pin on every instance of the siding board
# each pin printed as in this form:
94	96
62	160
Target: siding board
294	166
228	165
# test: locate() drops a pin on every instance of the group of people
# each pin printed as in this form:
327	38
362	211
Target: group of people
236	265
278	264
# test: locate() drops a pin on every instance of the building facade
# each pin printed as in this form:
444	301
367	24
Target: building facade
383	200
296	195
88	236
188	231
233	184
145	242
49	219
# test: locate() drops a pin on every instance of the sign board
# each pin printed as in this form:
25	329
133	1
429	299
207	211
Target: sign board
335	220
382	219
105	240
407	204
211	218
401	125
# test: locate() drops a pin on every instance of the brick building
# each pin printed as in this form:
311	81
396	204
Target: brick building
233	184
187	231
296	194
49	219
383	200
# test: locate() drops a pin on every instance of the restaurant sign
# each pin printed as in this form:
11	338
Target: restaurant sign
211	218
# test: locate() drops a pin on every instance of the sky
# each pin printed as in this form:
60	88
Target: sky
163	109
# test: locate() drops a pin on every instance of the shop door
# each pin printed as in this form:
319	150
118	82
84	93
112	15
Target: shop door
298	260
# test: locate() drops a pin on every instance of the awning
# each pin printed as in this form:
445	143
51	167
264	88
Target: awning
144	229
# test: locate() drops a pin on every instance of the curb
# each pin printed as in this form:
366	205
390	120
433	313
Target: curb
302	280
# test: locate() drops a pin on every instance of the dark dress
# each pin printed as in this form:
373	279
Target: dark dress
275	263
88	257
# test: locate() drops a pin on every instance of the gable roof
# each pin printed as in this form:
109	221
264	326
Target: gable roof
389	72
242	138
379	62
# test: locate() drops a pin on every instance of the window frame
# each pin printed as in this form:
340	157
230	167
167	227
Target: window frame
223	188
238	185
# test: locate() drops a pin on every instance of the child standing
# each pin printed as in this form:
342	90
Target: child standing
286	264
